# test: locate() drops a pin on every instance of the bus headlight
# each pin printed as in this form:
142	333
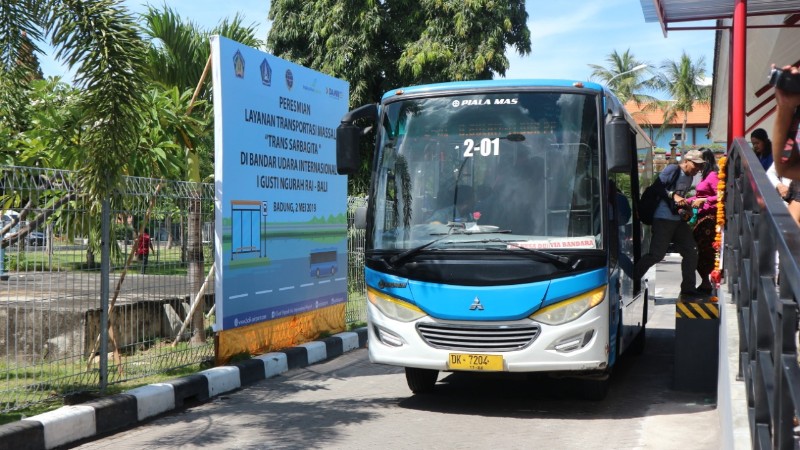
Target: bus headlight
394	308
570	309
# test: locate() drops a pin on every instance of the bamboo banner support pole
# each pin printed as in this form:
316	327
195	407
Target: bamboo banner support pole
194	306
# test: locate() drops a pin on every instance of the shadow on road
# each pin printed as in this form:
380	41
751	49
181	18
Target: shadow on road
636	384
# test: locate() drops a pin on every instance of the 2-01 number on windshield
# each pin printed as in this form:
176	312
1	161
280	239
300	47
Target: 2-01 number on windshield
487	147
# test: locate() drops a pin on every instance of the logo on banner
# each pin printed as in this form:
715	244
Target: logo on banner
334	93
312	87
266	73
289	79
238	64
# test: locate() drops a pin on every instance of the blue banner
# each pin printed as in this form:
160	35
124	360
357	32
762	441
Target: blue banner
280	207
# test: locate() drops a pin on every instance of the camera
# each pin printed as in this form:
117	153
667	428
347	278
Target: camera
785	80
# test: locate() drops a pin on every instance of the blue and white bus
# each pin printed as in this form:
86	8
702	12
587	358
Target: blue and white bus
322	262
501	229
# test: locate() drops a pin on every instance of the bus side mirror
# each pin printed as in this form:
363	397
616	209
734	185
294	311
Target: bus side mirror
619	145
348	137
347	156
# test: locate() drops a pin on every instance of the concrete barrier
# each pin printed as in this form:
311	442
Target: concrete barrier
38	333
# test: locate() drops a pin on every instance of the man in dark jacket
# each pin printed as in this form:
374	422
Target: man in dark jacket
668	227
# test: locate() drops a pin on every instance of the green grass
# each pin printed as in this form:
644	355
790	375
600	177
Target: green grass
163	262
30	411
54	402
42	387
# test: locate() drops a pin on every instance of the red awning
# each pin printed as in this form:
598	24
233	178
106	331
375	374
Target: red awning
669	12
771	36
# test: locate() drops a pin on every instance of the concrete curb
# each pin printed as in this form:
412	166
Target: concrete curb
103	416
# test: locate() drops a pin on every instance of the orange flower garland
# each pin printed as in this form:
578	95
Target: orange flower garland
716	274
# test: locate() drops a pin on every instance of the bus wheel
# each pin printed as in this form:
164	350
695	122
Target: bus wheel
421	381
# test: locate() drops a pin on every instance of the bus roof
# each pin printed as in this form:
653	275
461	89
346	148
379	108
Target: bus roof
488	84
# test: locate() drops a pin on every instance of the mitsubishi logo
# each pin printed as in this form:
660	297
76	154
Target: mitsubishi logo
476	304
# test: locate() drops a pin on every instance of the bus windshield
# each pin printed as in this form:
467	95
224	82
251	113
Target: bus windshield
522	167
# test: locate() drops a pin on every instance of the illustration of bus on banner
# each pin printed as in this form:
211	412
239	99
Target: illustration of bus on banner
322	263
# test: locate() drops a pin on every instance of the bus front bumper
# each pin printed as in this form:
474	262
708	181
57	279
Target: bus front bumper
578	346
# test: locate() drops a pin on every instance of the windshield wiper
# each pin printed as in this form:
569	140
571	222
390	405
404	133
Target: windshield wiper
561	259
413	251
455	228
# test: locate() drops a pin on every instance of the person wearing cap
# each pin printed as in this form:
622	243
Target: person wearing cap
668	227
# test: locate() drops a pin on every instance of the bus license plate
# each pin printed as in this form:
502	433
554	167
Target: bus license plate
467	361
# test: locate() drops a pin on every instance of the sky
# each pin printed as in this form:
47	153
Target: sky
566	35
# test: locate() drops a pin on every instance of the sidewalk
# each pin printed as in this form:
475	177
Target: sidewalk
731	397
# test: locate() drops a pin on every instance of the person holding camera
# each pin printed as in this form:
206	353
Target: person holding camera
669	221
704	202
784	130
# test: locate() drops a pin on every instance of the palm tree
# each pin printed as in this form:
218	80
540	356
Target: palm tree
178	54
100	41
684	80
621	78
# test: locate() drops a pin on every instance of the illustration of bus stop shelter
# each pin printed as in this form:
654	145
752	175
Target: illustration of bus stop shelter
247	227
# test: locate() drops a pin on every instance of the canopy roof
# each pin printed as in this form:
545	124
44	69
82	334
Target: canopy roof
771	38
671	11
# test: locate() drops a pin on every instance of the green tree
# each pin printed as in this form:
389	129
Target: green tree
684	81
380	45
627	84
100	42
178	53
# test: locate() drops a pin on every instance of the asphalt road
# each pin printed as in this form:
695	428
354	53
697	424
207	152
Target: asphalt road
349	403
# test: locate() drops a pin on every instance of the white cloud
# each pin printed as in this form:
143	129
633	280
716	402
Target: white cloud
565	24
568	36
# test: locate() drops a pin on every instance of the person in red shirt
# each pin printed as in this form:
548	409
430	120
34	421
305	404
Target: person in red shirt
143	247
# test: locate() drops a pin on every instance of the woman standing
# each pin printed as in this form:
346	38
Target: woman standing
762	147
705	230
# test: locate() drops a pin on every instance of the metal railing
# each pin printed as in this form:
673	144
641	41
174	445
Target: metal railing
70	268
762	249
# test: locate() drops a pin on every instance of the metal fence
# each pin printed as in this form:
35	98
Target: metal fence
762	250
356	311
70	268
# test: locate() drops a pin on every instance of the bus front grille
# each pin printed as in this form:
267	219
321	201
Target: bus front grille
495	338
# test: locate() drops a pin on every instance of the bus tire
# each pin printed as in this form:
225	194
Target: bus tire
421	381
